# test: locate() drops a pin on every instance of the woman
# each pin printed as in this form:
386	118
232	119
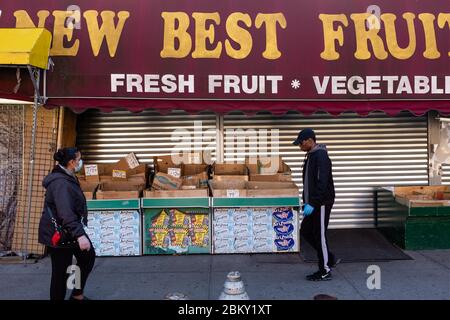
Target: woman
65	211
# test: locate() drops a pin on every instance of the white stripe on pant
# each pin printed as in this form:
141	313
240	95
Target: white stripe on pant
323	240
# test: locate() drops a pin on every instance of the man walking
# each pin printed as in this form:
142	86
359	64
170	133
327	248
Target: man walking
318	199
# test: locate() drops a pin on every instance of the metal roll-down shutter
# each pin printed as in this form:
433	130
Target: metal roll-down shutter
106	137
366	152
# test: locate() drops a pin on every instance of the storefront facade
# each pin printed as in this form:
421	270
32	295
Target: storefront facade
371	80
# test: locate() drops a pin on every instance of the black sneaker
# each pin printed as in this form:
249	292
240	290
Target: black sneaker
320	276
336	262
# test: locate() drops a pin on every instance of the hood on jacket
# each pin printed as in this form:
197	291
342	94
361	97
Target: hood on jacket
319	147
56	174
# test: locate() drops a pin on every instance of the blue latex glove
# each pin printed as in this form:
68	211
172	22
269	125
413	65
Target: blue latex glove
307	210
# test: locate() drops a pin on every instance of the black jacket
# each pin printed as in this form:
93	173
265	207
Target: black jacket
68	204
318	185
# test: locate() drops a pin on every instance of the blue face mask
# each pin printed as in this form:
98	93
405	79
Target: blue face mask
79	166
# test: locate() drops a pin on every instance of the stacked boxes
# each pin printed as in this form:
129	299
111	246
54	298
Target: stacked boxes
182	180
255	230
122	180
115	233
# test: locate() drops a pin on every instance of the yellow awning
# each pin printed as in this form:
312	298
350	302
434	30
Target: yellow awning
25	46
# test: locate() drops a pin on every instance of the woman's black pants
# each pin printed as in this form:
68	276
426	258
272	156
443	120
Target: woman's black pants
61	260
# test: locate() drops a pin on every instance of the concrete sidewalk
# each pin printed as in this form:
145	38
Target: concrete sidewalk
266	276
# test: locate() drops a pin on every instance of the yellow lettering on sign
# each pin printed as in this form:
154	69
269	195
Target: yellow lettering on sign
444	18
171	33
203	34
23	20
60	32
239	35
364	36
391	35
431	50
108	29
271	20
330	35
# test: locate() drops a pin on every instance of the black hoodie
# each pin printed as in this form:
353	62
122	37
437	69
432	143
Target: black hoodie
68	204
318	185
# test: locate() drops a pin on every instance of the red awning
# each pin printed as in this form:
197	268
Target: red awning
251	107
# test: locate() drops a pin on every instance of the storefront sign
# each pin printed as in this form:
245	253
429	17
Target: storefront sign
242	50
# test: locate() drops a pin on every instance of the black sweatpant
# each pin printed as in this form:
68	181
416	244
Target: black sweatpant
61	259
314	231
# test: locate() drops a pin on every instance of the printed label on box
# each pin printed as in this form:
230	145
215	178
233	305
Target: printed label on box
222	230
91	170
223	217
242	217
224	246
243	245
119	174
233	193
262	231
243	230
283	228
263	244
174	172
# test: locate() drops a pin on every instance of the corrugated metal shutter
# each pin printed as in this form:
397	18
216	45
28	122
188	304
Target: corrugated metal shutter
446	167
371	151
106	137
376	150
446	174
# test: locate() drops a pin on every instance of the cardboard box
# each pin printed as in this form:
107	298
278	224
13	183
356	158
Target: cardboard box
279	177
119	175
195	169
127	163
163	181
197	193
230	178
162	164
120	190
129	185
96	172
140	171
199	180
91	173
88	195
266	165
228	189
272	189
228	169
104	195
89	188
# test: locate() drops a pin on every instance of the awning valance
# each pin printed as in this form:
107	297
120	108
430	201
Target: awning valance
27	46
363	108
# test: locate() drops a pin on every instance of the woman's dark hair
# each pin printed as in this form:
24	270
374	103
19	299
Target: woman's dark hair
63	156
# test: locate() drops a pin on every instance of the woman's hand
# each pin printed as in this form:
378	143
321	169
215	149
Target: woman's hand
84	243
